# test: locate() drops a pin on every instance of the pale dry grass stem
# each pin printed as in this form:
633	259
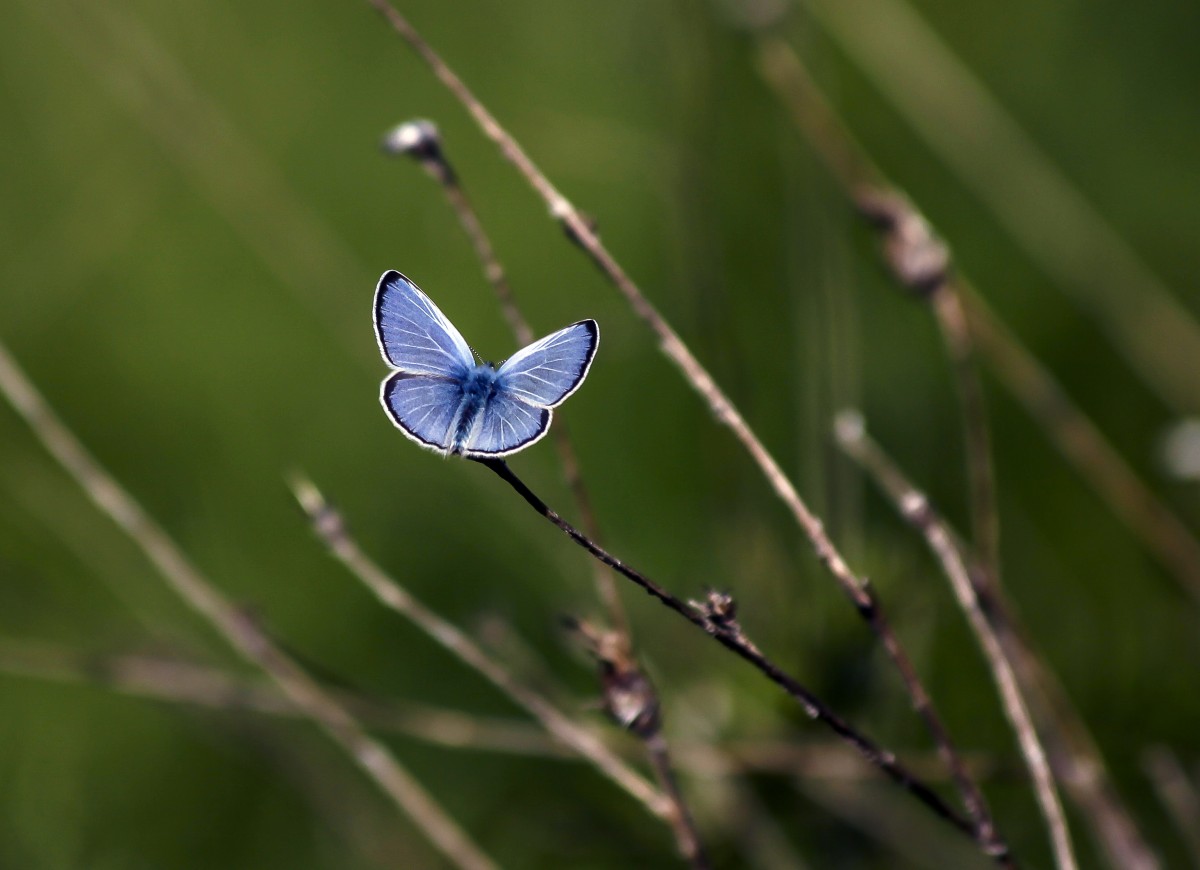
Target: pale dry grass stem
581	231
915	507
1178	793
330	528
240	631
918	259
1053	221
422	141
175	680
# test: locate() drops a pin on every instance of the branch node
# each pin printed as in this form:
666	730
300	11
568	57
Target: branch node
915	508
915	255
562	211
326	520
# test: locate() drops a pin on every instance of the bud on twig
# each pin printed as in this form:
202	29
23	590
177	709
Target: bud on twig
420	140
918	258
629	696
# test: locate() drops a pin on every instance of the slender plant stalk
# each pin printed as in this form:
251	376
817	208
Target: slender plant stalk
1078	762
915	507
329	526
422	141
981	472
1075	436
717	618
1177	793
234	626
1083	444
723	410
1050	218
182	682
687	836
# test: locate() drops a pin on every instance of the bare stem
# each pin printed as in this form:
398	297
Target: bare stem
423	142
915	507
717	618
234	626
917	258
687	837
179	681
981	472
1056	224
632	701
722	408
1082	443
1177	793
1077	762
329	526
1075	435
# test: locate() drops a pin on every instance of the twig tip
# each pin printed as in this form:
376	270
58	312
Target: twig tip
305	492
411	137
914	253
325	519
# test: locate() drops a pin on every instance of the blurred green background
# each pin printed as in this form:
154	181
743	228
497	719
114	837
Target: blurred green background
194	215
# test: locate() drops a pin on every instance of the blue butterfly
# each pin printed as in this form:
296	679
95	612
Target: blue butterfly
439	397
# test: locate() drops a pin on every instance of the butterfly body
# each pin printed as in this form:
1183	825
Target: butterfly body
478	387
441	398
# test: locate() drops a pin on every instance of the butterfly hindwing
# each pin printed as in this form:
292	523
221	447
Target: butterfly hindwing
506	425
547	371
424	408
414	336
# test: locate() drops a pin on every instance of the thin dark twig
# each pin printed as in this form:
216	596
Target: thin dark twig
717	618
422	141
1077	761
241	632
915	507
580	230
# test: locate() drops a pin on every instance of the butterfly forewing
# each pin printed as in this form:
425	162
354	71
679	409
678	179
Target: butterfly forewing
414	336
547	371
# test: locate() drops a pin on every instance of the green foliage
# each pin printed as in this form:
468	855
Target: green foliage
194	215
